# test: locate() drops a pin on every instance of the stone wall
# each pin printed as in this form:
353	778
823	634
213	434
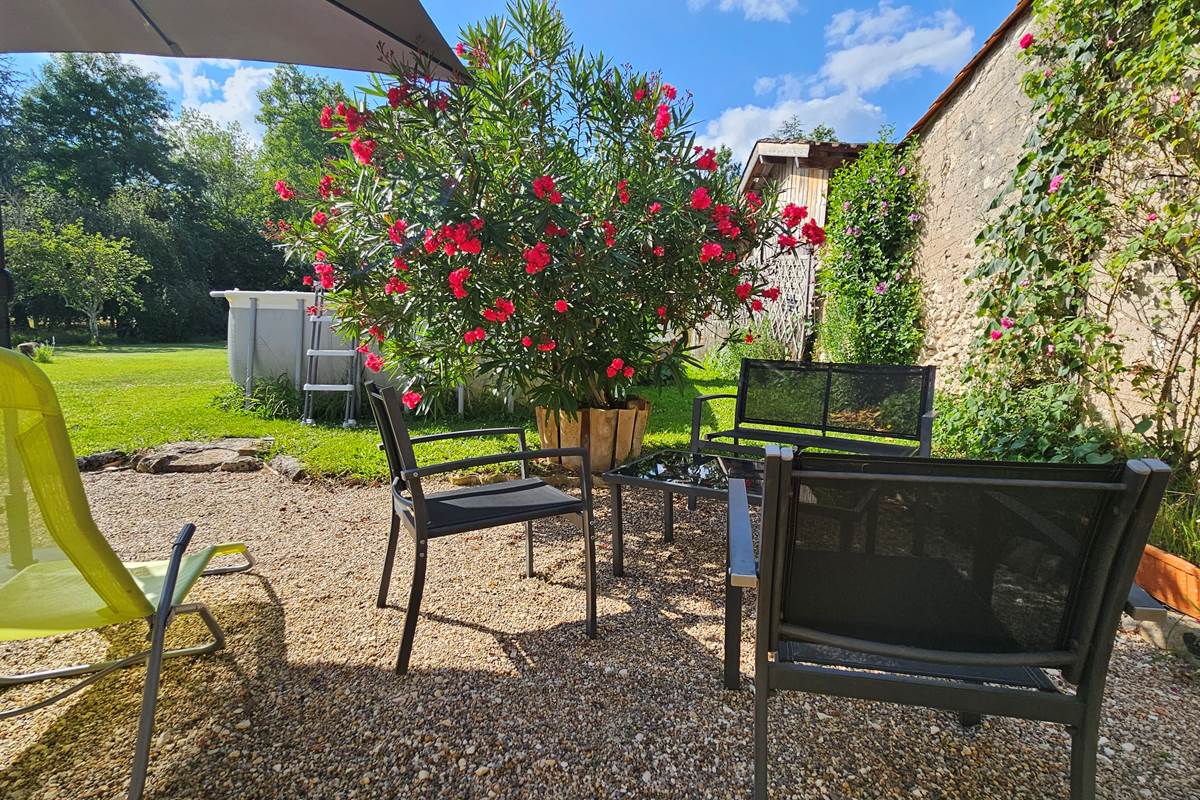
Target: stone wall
966	154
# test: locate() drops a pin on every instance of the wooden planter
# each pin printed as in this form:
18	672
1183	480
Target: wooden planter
1170	580
610	434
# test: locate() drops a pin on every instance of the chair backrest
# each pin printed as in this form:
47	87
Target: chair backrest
45	514
988	563
862	399
397	446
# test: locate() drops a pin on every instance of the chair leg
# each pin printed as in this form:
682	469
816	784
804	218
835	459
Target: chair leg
393	536
529	549
761	695
1084	744
969	720
414	606
141	753
589	556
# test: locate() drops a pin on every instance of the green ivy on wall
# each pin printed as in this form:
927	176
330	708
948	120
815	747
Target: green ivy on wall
872	301
1089	289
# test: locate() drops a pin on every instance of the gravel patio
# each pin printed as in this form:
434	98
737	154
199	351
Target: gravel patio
506	697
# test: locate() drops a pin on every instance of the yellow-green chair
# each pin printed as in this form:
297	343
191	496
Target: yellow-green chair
57	572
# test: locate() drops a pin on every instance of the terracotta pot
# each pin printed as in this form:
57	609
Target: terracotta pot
1170	580
610	434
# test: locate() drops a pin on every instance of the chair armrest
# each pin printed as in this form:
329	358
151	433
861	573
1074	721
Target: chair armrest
925	434
167	592
498	458
743	567
697	410
433	437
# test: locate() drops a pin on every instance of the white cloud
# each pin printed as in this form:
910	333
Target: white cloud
867	50
230	99
854	118
754	10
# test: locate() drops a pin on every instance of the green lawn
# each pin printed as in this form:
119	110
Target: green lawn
129	397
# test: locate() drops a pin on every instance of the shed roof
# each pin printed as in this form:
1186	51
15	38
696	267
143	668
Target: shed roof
769	152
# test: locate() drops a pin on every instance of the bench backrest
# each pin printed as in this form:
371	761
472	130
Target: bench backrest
860	399
966	562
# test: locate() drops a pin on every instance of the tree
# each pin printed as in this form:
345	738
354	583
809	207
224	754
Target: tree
87	271
793	128
90	124
8	106
551	223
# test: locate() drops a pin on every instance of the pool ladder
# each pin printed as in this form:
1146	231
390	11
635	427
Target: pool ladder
314	354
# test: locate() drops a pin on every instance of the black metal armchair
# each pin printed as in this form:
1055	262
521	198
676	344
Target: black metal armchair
1024	568
438	514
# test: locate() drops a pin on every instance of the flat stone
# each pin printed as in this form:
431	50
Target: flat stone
100	460
199	461
289	467
465	479
242	464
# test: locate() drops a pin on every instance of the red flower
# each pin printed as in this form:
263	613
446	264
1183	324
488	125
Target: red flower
756	305
1026	41
700	199
537	258
477	335
460	49
553	230
374	362
319	218
615	367
610	233
312	311
285	192
771	294
476	223
707	161
363	149
658	250
742	290
543	188
411	400
399	263
340	110
655	207
710	251
307	280
456	279
363	348
396	231
662	118
787	241
661	311
561	306
669	91
622	192
749	338
354	119
813	233
525	340
547	345
395	286
398	95
627	372
326	117
753	200
793	214
639	94
325	187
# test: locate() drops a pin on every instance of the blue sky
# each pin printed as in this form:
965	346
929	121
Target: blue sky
751	64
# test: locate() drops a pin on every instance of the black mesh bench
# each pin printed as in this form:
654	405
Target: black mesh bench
828	406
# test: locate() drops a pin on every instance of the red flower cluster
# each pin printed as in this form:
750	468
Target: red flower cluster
456	279
500	312
324	271
395	286
788	241
398	95
547	345
543	187
374	363
654	207
537	258
284	191
658	250
399	263
753	200
325	188
813	233
561	306
756	305
793	214
708	160
710	251
639	94
700	199
411	400
723	216
477	335
610	233
453	239
662	118
669	91
553	230
743	290
771	294
622	192
617	367
307	280
326	119
363	149
396	231
319	218
661	311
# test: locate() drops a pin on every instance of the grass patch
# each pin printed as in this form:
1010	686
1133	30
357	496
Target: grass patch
137	396
1177	526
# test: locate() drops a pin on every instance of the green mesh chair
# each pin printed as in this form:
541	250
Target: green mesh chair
57	572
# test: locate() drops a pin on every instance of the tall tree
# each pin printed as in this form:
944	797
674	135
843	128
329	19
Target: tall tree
8	106
92	123
294	146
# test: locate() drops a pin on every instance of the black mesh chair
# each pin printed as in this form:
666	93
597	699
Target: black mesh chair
438	514
886	410
1021	569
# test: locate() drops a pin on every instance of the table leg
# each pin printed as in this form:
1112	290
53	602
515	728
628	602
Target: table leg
618	532
733	635
668	517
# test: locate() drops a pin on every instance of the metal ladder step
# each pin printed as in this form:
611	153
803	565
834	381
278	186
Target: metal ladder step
329	387
322	318
335	353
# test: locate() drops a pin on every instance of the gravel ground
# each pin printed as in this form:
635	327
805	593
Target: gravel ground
506	697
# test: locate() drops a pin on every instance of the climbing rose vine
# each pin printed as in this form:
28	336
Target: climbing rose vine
551	225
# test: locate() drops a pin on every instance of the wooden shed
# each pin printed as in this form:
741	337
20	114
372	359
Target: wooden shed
801	169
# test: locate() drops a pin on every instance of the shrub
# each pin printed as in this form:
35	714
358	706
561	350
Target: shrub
43	354
271	398
726	360
551	223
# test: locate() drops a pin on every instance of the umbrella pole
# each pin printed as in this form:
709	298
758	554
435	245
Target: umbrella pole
6	290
